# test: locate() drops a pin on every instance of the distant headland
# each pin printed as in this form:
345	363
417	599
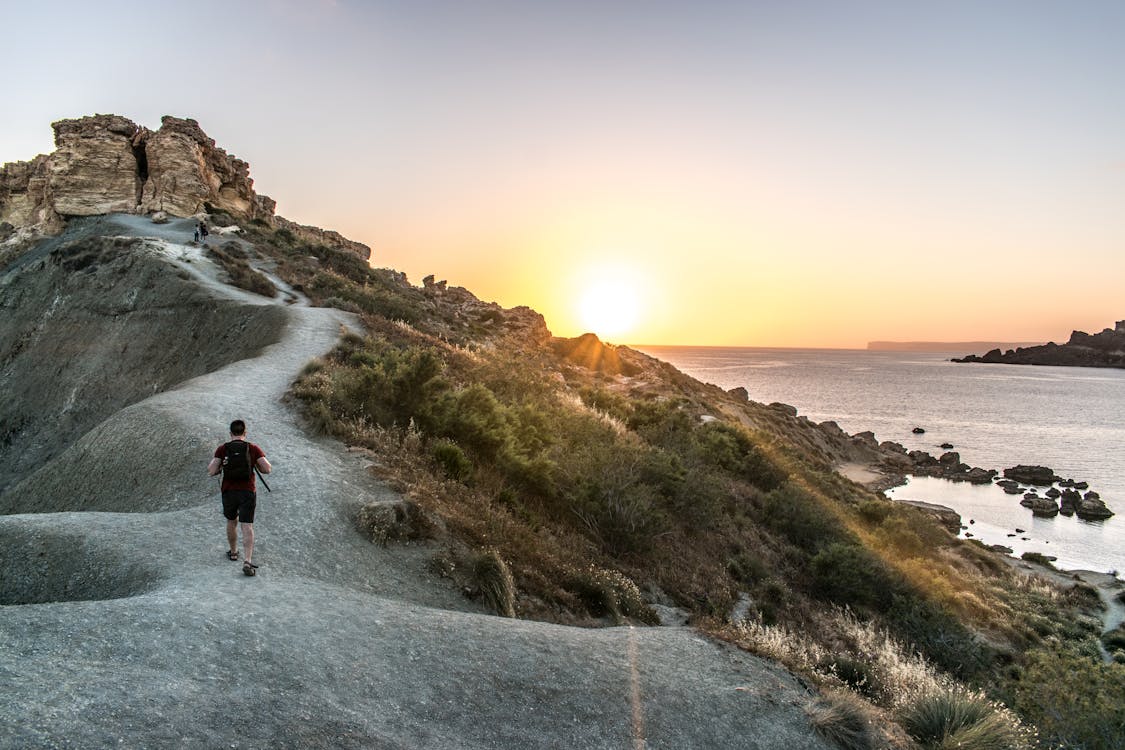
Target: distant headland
945	346
1104	349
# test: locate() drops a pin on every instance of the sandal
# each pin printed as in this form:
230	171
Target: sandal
250	569
232	554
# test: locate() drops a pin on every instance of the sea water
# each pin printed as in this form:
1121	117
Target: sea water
1071	419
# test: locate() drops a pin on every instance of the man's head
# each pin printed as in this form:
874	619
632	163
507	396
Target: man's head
238	428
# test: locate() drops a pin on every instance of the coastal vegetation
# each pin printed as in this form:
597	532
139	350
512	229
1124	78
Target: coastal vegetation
580	483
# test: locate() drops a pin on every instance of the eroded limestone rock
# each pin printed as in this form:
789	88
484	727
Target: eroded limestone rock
106	164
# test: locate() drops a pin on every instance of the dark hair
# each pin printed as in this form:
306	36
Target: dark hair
238	427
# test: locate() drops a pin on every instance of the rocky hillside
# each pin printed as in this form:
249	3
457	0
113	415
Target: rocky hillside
1103	349
479	535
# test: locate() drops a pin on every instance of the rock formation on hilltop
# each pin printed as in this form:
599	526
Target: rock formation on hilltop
1105	349
108	164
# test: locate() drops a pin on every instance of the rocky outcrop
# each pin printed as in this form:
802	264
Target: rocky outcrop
1040	476
1091	508
187	173
106	164
947	517
318	236
1104	349
948	466
93	169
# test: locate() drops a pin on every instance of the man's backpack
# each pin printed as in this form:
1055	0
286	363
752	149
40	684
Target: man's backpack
236	463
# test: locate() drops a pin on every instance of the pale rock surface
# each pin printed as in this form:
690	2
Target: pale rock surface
93	169
106	164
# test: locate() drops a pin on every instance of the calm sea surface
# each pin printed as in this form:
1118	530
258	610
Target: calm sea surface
996	416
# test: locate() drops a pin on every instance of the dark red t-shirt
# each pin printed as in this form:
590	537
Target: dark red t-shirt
240	484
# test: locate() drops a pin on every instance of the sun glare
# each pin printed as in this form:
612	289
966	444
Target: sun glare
608	307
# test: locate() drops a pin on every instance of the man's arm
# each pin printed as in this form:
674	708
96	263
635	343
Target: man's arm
214	467
264	465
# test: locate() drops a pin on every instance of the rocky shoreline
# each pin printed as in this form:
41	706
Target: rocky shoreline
1104	349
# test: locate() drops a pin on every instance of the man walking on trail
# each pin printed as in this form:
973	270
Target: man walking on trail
237	460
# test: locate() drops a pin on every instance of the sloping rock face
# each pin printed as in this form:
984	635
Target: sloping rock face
108	164
96	324
94	169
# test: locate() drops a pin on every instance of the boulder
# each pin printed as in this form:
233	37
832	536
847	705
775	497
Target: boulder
952	458
740	393
922	459
918	431
977	475
946	446
867	439
785	408
947	517
1092	509
1037	475
160	218
1044	507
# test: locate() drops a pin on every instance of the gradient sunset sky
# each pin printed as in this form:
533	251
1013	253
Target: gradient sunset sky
812	174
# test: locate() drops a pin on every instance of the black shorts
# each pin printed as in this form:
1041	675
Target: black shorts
239	504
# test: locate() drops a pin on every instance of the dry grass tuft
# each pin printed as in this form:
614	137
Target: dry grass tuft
494	580
842	718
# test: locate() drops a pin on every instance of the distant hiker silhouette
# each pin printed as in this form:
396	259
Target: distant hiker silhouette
238	460
202	232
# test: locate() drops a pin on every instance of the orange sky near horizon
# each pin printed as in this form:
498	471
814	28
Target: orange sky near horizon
806	174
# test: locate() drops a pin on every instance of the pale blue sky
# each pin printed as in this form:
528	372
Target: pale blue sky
798	173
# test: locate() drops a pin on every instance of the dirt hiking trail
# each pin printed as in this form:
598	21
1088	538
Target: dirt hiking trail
124	625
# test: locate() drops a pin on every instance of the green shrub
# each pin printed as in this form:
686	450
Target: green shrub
477	420
660	422
607	402
494	581
937	634
1038	558
849	574
1074	699
747	568
797	515
730	448
623	519
841	718
1115	639
452	460
874	511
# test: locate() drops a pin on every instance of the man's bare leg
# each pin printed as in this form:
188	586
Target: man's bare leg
232	535
248	540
